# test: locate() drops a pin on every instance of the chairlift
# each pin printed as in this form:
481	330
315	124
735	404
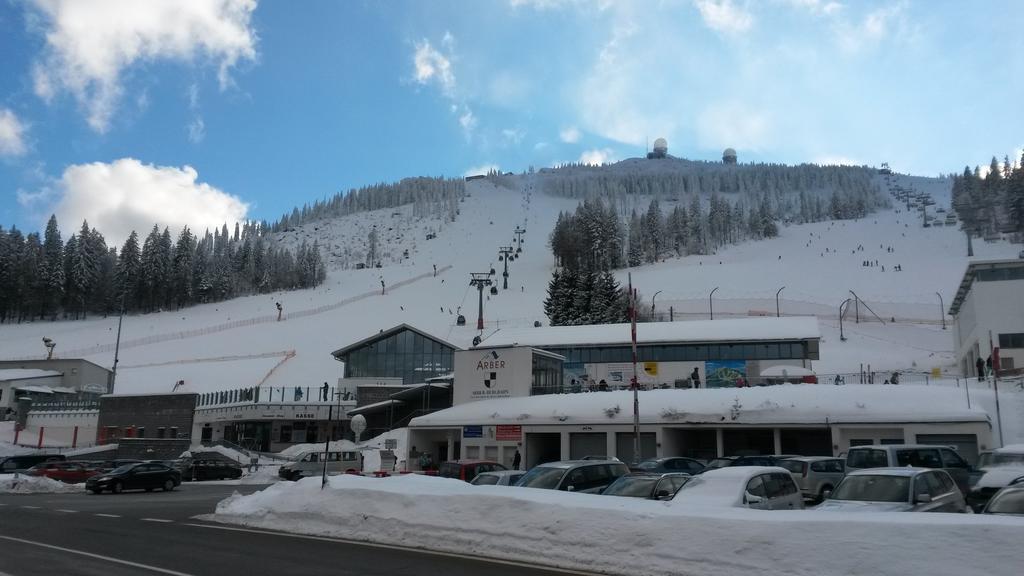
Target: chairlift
492	272
460	321
477	340
500	258
494	290
519	250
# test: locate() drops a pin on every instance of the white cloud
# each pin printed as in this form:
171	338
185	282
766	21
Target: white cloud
513	135
731	124
559	4
598	156
432	66
875	27
12	134
481	169
127	195
570	135
825	7
467	120
724	16
90	43
196	130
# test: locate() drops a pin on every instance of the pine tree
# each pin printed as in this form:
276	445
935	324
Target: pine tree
52	284
183	261
84	268
129	273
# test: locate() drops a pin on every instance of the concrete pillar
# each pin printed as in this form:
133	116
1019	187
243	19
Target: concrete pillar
610	446
565	446
777	434
451	447
720	441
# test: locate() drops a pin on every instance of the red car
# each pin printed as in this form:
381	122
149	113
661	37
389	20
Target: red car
70	472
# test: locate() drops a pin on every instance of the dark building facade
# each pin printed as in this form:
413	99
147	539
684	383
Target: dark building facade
157	417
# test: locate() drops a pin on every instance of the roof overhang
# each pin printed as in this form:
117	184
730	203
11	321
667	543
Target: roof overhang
968	279
341	353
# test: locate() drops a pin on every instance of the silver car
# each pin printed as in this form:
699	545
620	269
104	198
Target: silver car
498	478
817	476
758	487
896	490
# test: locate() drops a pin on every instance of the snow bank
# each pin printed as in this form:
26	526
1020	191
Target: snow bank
629	536
336	445
22	484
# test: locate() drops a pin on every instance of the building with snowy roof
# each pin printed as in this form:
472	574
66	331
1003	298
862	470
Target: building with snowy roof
706	423
988	316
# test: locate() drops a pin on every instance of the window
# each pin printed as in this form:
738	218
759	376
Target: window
285	434
1011	340
755	487
160	432
922	458
174	432
786	484
140	432
867	458
951	459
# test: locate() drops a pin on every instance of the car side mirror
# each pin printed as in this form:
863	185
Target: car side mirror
662	495
923	498
570	488
752	499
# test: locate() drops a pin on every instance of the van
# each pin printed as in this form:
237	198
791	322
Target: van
589	476
312	464
817	476
916	455
20	464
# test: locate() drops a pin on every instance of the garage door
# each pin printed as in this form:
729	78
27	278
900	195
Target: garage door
624	446
587	444
966	444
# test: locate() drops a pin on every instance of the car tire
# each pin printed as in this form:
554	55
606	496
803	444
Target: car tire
97	491
821	493
116	488
168	485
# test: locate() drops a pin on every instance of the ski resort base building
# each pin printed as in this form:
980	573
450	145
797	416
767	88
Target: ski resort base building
820	420
988	316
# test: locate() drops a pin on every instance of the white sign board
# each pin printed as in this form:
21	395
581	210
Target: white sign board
483	374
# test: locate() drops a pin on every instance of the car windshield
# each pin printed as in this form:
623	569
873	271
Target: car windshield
719	463
794	466
873	488
541	477
122	469
485	479
1006	459
1011	502
636	487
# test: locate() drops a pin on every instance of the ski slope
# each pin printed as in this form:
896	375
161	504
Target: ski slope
240	343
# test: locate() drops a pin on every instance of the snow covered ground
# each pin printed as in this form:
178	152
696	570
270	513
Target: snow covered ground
629	536
22	484
239	343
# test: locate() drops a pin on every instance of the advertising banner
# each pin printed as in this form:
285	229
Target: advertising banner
726	373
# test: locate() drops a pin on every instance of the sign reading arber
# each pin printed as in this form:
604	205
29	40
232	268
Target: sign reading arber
494	387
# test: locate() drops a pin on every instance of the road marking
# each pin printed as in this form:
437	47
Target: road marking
97	556
426	551
155	520
67	511
107	515
31	507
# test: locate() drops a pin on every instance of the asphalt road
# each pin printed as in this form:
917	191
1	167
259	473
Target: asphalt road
139	534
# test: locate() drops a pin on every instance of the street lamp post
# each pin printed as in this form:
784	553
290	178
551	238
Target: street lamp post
778	312
942	311
842	338
711	304
652	303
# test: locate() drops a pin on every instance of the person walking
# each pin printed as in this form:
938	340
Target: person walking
695	377
980	365
516	460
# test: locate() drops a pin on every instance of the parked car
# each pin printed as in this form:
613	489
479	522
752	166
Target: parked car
21	464
108	465
727	461
669	464
143	476
896	490
467	470
817	476
211	469
915	455
990	480
312	464
650	486
70	472
600	457
498	478
1009	501
589	476
759	487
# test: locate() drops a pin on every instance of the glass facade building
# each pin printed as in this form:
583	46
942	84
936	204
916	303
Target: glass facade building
804	350
402	352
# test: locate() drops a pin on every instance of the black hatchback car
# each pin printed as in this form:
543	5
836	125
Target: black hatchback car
211	470
144	476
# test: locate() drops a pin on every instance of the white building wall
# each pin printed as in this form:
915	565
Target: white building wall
996	307
59	428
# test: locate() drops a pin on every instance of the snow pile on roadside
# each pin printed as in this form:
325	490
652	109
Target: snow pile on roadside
22	484
626	535
336	446
265	475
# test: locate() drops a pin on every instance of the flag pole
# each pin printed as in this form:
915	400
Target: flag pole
634	383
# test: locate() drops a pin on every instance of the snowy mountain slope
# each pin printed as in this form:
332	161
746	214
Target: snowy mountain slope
240	343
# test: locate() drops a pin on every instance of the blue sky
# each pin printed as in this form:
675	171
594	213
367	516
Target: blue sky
130	113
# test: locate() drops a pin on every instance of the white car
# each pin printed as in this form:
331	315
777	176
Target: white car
760	487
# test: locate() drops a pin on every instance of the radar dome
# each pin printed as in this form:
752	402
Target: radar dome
661	145
729	156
